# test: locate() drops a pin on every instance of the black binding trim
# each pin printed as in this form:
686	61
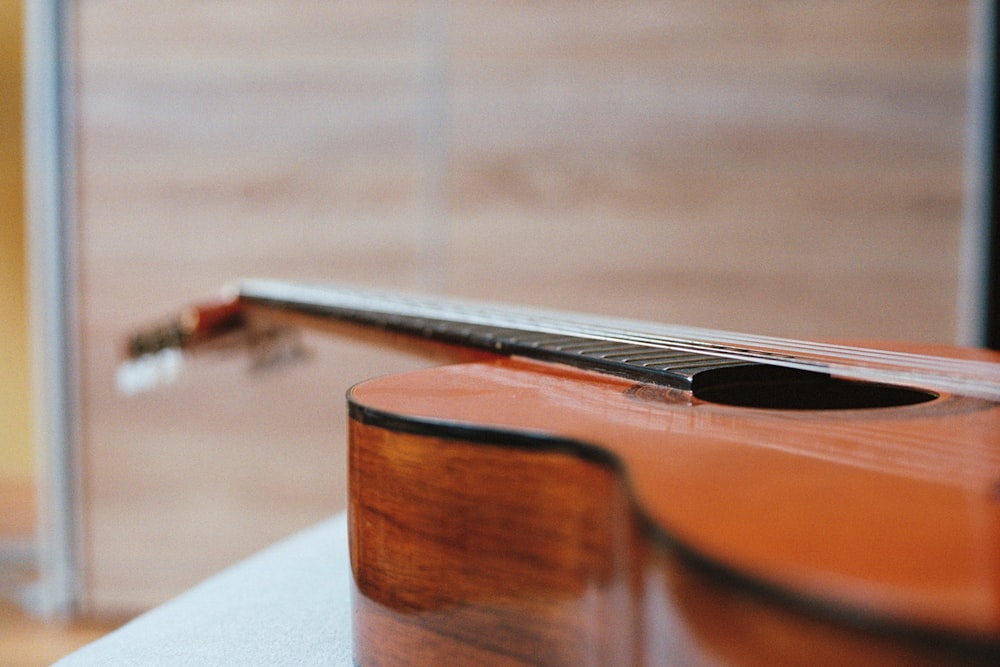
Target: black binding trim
481	435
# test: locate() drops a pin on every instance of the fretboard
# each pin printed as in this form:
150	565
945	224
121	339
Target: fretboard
532	334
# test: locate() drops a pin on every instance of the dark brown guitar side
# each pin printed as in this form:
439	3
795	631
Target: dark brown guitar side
611	502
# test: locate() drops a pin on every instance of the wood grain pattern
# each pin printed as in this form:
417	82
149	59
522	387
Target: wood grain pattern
517	513
503	572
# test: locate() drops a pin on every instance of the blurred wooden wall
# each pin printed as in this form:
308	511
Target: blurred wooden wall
783	168
16	487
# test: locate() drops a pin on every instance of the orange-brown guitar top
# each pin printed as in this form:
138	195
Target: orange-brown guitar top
586	491
519	512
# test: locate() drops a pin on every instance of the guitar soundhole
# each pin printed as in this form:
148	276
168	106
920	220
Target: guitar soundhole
788	389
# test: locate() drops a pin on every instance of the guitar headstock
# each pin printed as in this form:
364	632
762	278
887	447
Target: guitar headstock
155	355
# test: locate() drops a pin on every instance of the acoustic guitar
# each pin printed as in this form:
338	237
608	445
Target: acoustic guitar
577	490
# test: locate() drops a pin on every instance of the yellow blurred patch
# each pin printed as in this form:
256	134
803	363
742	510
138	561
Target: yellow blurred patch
15	395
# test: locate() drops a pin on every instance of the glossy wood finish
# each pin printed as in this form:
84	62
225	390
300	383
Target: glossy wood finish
504	572
543	515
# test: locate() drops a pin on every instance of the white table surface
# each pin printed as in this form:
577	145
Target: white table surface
287	605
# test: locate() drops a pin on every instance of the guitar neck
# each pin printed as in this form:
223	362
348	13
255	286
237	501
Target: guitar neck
674	356
535	334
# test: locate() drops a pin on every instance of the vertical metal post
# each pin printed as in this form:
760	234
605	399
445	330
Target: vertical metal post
978	200
991	288
50	178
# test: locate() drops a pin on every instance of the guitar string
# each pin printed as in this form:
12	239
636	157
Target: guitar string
601	327
958	376
961	376
858	362
965	377
691	339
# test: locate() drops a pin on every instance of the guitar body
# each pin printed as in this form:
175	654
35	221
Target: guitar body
593	491
516	512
